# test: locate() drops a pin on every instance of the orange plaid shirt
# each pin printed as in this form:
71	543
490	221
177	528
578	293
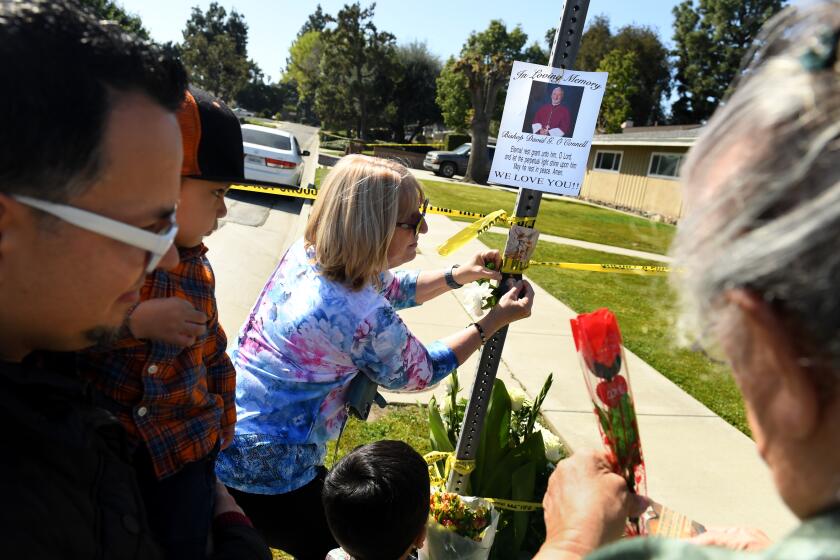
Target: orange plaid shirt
178	401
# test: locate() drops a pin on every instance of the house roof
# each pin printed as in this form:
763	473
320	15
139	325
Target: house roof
649	136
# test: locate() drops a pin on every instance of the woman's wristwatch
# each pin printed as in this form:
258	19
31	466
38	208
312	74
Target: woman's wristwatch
450	279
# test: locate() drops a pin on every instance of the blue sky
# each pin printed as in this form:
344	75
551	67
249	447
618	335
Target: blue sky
443	24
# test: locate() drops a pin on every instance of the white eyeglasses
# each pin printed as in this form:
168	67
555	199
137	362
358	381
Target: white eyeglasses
157	244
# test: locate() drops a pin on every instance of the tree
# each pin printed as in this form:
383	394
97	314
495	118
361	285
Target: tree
303	71
485	63
652	71
452	97
359	62
535	54
107	10
215	50
595	43
261	97
710	40
317	21
621	87
414	94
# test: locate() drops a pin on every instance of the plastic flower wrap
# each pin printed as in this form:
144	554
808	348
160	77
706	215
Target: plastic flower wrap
459	527
598	342
514	460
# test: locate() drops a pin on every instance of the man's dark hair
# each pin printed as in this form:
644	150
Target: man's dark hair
61	73
376	500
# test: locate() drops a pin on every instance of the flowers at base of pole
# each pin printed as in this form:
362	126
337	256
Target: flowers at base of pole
476	297
450	511
517	398
520	458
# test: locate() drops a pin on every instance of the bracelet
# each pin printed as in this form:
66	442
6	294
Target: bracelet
450	279
480	332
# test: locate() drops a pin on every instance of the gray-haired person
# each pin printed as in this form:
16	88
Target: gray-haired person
89	180
758	269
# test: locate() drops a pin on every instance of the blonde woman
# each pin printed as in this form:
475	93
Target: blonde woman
326	315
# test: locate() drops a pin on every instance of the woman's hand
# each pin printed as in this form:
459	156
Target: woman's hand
475	269
515	304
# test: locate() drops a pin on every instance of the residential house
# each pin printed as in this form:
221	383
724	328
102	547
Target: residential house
638	169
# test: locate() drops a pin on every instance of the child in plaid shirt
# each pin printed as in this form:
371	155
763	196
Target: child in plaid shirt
169	380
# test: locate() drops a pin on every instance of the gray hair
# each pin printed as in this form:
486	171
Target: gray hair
762	189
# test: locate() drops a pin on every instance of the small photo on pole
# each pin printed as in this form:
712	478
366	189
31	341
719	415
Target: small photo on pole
552	109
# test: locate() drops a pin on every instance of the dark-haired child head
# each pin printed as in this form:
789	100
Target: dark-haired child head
376	501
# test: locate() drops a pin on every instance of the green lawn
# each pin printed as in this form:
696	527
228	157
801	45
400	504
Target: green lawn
320	173
644	306
408	423
556	217
560	217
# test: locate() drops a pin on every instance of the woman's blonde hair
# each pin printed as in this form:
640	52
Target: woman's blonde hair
354	217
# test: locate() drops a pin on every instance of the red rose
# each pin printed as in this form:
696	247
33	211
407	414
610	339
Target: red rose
611	391
598	340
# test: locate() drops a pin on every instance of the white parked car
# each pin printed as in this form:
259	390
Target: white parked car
272	155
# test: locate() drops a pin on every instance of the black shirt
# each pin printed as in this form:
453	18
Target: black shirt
67	487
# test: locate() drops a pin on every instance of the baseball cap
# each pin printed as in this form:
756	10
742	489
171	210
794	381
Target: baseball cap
212	139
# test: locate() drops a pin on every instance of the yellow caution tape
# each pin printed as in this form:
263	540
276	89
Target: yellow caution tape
462	466
435	456
483	223
284	191
451	212
511	266
465	467
640	270
514	505
471	232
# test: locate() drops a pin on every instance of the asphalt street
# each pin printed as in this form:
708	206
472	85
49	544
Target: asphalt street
251	208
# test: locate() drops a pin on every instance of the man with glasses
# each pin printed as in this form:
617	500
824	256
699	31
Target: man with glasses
89	181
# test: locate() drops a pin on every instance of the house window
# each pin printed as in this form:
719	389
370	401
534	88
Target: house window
665	165
607	161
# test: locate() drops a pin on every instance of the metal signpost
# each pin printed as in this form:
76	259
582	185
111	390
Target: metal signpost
563	54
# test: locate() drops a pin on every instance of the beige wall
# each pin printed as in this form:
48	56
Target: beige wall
631	187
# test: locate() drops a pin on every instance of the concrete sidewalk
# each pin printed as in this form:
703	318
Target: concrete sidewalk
696	462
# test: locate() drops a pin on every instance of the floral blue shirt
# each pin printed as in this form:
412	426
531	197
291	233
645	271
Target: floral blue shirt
305	340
